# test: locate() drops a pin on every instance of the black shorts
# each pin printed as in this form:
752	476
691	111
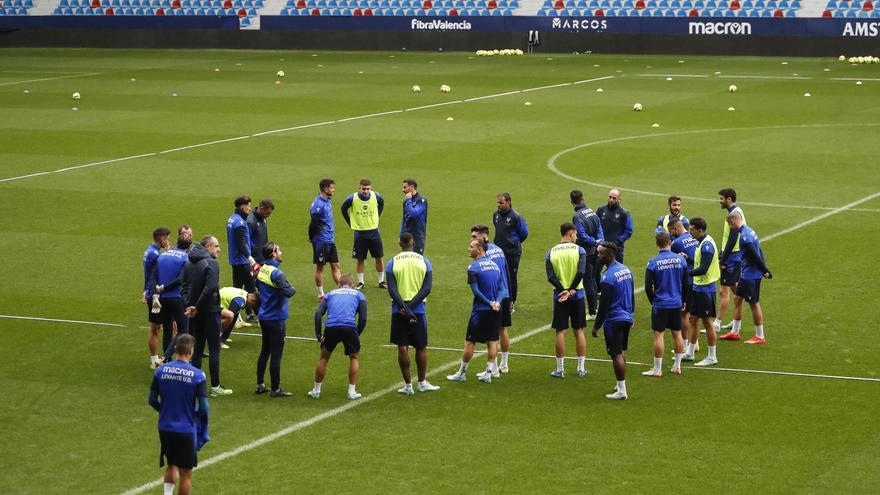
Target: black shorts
617	336
572	310
155	318
347	335
663	318
702	304
243	279
178	449
730	273
325	254
506	314
484	326
404	333
750	290
366	243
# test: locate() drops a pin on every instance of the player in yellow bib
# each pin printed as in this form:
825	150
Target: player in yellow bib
361	212
566	265
701	306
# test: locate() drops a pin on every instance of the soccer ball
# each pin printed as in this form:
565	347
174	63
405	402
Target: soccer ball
416	89
860	60
279	74
637	107
841	58
851	60
732	88
445	89
75	96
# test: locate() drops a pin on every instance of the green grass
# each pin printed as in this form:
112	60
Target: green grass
74	407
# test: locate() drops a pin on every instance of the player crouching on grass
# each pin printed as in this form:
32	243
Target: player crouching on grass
346	310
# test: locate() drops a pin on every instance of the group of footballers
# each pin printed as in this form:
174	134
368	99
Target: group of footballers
586	271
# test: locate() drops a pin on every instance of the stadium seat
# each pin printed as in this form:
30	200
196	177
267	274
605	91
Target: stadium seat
868	6
599	13
735	5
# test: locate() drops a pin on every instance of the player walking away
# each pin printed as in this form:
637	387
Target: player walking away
201	280
668	286
510	232
321	235
566	265
275	291
495	254
410	279
589	235
674	203
232	302
485	280
616	307
239	241
361	212
684	244
178	394
730	257
151	254
415	215
617	223
346	310
166	281
754	268
702	304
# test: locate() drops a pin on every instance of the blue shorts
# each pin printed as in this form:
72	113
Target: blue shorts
730	273
347	335
484	326
616	336
750	290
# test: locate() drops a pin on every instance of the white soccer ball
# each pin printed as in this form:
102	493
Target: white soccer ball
279	74
841	58
732	88
519	52
860	60
637	107
851	60
877	60
75	96
445	89
416	89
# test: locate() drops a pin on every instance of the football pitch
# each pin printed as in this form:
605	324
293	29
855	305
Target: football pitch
171	137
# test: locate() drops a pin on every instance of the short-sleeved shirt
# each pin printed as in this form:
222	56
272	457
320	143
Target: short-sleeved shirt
668	269
686	244
620	278
179	384
324	210
564	258
342	307
487	275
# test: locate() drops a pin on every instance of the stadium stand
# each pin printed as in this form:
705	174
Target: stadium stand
860	9
400	7
245	10
15	7
671	8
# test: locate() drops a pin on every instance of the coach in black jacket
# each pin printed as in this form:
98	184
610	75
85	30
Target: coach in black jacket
201	280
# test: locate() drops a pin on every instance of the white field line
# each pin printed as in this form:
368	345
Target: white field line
551	162
765	77
496	95
104	162
82	74
288	337
435	105
42	72
636	363
57	320
583	81
823	216
294	128
672	75
315	419
854	79
539	88
276	131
